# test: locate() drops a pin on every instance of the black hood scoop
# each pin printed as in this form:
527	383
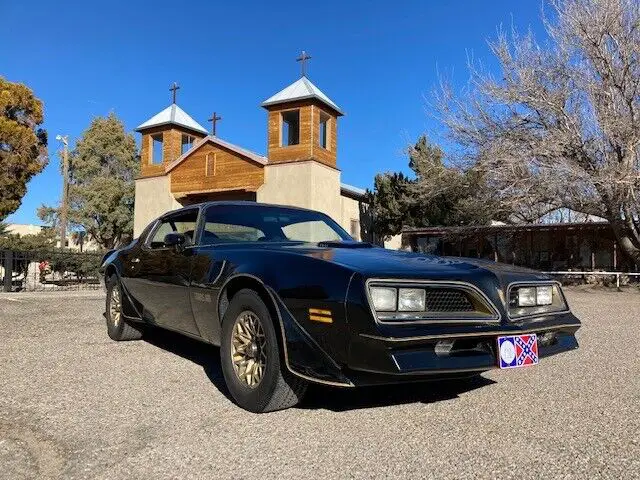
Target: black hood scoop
347	244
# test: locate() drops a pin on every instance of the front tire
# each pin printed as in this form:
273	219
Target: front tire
250	358
117	327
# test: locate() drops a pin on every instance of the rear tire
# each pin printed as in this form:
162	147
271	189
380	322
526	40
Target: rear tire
117	327
251	360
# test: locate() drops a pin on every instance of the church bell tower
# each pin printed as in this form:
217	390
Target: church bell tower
302	123
302	167
166	136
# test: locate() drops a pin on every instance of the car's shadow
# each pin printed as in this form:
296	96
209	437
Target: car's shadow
203	354
318	396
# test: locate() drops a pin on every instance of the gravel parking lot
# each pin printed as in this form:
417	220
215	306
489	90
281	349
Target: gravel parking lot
74	404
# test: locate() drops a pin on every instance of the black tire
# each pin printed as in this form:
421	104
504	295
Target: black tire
278	388
117	327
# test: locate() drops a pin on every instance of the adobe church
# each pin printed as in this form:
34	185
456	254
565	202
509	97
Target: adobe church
182	163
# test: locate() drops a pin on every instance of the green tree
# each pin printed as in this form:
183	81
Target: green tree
389	206
43	240
102	169
447	195
439	194
23	146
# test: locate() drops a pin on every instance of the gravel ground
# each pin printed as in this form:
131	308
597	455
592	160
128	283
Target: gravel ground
74	404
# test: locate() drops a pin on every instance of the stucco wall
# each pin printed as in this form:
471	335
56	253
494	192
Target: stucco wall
303	184
153	198
350	211
394	243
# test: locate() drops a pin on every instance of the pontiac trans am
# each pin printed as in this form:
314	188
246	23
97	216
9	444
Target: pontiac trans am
290	298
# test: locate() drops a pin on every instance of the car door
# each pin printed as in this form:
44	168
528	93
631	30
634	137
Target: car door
159	277
211	269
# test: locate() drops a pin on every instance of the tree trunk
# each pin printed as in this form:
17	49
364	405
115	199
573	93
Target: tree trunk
628	243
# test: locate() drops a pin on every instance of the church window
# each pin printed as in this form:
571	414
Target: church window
156	150
323	135
210	165
187	143
290	128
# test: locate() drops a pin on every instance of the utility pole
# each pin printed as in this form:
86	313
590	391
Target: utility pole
64	204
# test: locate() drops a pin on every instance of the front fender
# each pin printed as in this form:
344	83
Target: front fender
303	355
298	285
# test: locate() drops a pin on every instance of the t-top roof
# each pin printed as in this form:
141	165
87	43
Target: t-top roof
301	89
174	115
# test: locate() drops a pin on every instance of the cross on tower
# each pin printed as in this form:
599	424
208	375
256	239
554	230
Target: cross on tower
214	120
303	59
174	88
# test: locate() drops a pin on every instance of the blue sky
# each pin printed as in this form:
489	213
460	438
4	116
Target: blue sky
377	60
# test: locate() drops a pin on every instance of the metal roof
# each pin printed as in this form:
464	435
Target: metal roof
172	115
355	191
301	89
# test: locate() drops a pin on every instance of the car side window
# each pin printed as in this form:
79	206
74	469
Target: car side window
228	232
222	226
181	222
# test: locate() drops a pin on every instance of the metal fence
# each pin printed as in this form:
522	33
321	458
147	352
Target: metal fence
49	270
621	278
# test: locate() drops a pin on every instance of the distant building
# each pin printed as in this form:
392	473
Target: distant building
75	241
24	229
548	247
183	164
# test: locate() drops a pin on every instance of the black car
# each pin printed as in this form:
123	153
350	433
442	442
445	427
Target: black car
291	298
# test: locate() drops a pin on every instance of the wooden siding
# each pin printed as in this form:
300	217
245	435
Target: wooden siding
308	148
325	155
232	171
171	144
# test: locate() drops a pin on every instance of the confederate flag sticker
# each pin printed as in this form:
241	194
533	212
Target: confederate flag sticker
518	351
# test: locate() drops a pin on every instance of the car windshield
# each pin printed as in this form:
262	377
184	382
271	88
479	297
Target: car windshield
248	223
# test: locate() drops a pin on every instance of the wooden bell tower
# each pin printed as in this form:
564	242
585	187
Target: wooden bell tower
166	136
302	123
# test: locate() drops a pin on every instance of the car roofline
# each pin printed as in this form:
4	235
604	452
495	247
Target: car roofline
237	203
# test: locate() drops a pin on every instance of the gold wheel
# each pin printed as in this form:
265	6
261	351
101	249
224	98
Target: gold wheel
115	306
248	349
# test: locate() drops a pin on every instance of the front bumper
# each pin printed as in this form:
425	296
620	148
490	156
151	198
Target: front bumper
397	354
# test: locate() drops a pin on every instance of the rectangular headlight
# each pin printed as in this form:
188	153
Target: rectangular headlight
527	297
544	295
411	300
384	298
536	300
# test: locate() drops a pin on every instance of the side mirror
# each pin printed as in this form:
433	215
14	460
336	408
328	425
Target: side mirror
175	240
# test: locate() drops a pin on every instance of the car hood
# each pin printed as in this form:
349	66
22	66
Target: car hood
374	262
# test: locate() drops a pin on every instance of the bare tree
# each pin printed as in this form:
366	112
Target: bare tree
561	128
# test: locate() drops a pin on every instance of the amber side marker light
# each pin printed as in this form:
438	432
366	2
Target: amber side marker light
318	315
